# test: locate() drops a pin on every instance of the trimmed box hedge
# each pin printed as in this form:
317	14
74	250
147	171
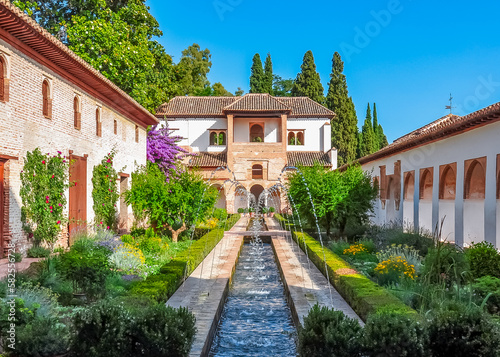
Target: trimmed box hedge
364	296
163	285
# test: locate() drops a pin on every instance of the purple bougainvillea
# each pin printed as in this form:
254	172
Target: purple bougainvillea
163	150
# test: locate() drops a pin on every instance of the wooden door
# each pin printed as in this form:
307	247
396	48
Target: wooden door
2	212
77	194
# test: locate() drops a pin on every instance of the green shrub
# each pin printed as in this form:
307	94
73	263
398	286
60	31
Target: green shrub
446	263
42	337
484	260
38	252
395	234
488	287
459	331
161	286
408	253
391	334
127	238
101	330
220	214
338	247
38	298
241	210
271	209
18	257
328	332
163	331
364	296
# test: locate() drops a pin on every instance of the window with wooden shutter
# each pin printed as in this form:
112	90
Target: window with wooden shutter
47	101
98	124
78	113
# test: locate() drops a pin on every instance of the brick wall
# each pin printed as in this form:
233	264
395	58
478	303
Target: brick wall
24	128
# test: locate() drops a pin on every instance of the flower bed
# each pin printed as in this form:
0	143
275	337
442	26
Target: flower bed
163	285
364	296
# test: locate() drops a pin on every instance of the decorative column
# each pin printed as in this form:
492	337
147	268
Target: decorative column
490	201
284	119
459	205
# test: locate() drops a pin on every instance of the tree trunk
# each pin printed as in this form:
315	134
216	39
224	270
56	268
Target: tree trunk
175	233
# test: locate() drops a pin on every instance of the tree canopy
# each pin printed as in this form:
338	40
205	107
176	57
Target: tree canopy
268	75
340	198
257	75
282	87
308	82
345	124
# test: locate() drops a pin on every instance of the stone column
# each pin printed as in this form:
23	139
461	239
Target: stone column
230	141
490	201
416	200
435	199
459	205
284	119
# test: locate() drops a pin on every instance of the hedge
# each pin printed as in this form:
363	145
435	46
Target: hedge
163	285
364	296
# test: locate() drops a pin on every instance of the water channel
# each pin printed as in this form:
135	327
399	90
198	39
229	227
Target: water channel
256	320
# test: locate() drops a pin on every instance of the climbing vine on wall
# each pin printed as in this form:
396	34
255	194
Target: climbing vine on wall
44	180
105	192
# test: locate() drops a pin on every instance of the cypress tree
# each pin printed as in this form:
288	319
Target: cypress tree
345	124
268	75
376	129
382	138
368	136
308	82
257	76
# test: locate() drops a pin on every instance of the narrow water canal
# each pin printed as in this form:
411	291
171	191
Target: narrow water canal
256	320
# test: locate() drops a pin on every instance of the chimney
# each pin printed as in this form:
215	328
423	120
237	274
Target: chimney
333	158
327	137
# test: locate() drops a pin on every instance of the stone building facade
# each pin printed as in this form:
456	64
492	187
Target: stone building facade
52	99
253	137
444	176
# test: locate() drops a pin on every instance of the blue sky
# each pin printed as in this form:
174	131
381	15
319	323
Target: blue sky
406	55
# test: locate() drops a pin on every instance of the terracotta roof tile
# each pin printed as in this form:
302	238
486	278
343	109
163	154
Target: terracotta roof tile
308	158
258	103
217	106
442	128
66	63
207	159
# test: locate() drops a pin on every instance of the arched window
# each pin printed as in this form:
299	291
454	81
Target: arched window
77	113
4	81
256	133
409	187
426	183
214	138
137	133
257	172
222	138
447	184
291	138
115	126
47	100
300	138
98	123
475	181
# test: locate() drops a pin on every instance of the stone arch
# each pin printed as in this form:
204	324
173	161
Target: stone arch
447	183
475	181
240	199
221	199
409	187
426	183
391	200
257	133
257	190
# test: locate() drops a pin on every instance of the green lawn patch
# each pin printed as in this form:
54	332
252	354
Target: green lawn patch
163	285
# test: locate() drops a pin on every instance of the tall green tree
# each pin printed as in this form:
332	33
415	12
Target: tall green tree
308	82
268	75
282	87
257	75
376	127
340	198
345	124
218	90
368	139
193	67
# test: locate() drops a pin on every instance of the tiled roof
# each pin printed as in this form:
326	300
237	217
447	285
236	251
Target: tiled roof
207	159
257	103
308	158
442	128
30	38
217	106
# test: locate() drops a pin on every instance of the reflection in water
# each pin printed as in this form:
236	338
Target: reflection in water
256	320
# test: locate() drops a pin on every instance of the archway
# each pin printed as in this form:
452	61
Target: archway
240	199
221	199
391	205
257	190
257	133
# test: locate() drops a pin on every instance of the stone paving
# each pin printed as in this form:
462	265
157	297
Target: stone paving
205	290
306	285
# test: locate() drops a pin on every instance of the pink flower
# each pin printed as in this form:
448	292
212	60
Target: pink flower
51	207
100	223
103	204
58	222
59	152
43	162
52	176
60	204
108	227
108	160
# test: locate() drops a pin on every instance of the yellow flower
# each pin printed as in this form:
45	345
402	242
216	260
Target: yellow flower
355	249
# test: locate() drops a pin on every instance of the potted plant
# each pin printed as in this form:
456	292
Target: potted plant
241	210
252	211
271	211
264	211
245	211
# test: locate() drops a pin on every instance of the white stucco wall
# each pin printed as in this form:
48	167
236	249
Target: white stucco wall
196	132
313	134
469	219
242	129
